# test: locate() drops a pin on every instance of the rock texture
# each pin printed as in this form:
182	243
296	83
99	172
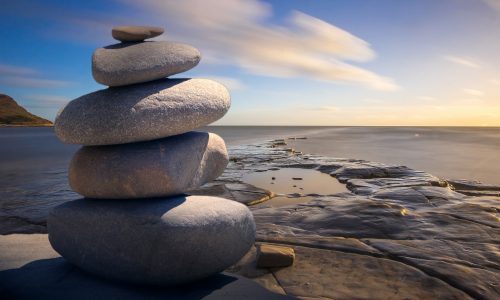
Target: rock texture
161	241
130	63
156	168
273	256
142	112
135	33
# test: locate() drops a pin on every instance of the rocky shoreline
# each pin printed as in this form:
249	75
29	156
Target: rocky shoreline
398	233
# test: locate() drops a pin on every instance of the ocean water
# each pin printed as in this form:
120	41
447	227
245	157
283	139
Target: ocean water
33	162
447	152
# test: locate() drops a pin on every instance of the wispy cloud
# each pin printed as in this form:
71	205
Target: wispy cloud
464	61
493	4
20	76
235	32
474	92
18	81
46	100
495	81
238	32
426	98
9	70
373	101
325	108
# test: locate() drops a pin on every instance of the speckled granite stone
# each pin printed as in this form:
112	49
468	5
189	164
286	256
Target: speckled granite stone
157	168
129	63
142	112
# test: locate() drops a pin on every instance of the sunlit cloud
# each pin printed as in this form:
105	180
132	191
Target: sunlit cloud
237	32
426	98
474	92
373	101
464	61
469	101
325	108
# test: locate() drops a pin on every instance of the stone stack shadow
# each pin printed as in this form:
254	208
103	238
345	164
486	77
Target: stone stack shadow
139	156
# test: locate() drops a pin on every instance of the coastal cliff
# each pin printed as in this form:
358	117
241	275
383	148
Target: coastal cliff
12	114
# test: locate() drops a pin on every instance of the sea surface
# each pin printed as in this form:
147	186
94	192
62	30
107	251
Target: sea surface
33	162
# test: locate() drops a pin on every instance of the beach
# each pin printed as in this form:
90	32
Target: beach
365	226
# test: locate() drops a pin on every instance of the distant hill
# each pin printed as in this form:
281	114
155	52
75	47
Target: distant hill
12	114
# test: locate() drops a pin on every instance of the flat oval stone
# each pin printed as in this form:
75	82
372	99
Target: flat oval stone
158	168
161	241
142	112
135	33
130	63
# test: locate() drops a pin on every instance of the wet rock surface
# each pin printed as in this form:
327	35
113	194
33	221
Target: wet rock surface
398	233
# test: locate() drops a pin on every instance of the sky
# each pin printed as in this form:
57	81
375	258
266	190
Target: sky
294	62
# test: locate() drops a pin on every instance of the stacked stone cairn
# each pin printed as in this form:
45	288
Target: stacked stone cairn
139	157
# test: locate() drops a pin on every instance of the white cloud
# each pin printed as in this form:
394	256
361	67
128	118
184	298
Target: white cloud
474	92
464	61
237	32
9	70
19	81
19	76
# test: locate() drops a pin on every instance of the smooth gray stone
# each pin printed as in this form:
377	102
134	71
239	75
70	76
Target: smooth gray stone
129	63
164	167
135	33
159	241
142	112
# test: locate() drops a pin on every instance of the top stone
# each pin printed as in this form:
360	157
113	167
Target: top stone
135	33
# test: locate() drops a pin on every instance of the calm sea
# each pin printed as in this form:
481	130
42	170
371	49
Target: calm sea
33	163
447	152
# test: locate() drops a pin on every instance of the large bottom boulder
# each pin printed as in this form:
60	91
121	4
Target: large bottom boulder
164	241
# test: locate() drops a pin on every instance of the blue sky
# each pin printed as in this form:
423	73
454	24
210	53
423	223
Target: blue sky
344	62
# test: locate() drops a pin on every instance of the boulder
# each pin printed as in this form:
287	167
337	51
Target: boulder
142	112
129	63
158	168
135	33
162	241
